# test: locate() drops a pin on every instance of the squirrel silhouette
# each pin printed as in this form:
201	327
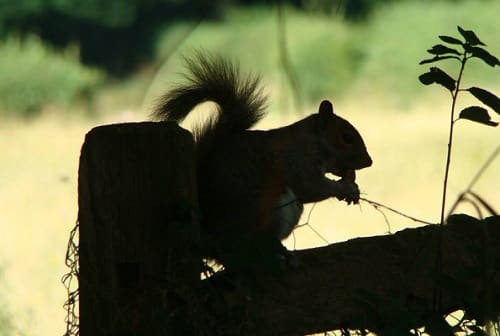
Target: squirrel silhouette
252	184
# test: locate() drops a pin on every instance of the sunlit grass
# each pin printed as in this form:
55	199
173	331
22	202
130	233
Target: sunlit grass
38	207
33	74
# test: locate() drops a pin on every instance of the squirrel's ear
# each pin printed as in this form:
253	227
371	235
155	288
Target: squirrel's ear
325	114
326	108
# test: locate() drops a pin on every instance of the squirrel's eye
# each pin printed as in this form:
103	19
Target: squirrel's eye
348	138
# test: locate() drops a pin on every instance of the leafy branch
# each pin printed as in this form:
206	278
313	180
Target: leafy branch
461	51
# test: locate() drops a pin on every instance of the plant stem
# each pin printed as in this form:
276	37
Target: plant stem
439	252
450	137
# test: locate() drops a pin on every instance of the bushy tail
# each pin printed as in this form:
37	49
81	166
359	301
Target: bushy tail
239	98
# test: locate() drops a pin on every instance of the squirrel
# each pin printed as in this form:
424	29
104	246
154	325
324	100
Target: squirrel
253	183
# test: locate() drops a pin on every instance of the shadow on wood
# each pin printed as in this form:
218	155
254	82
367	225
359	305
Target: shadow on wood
140	272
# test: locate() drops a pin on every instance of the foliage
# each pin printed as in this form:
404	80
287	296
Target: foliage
324	53
33	75
115	35
353	10
394	38
461	50
330	56
480	315
128	28
111	14
123	13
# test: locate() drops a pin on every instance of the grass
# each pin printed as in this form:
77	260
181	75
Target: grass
34	75
38	200
39	156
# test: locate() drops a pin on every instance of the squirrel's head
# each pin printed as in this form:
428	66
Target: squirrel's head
345	146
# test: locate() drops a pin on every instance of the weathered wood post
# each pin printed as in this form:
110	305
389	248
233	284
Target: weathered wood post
138	228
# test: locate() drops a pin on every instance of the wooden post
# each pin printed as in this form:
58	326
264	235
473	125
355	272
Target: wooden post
138	228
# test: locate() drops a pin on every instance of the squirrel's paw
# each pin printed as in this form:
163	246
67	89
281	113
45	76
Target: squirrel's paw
348	191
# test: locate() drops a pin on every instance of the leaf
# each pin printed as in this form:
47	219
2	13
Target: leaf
444	79
449	39
436	75
486	98
427	78
436	58
477	114
440	49
470	36
484	55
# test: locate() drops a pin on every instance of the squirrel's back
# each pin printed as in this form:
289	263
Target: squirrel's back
212	78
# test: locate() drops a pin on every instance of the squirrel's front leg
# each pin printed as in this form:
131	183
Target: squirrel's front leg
345	190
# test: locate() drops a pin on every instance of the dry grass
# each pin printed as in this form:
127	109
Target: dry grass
38	198
38	207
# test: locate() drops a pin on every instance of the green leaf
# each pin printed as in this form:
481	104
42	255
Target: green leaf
470	36
437	58
444	79
427	78
477	114
449	39
484	55
486	98
440	49
438	76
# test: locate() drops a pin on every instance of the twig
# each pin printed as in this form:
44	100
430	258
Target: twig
481	170
385	218
317	233
308	224
379	205
476	177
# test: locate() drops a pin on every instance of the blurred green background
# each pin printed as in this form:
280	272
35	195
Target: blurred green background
67	52
69	65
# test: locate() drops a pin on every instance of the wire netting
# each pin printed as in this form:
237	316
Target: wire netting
70	282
